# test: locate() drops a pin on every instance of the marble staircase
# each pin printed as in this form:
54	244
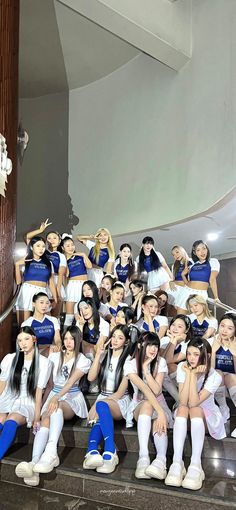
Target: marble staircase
121	488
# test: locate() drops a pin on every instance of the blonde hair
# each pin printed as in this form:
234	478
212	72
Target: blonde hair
177	263
197	298
110	246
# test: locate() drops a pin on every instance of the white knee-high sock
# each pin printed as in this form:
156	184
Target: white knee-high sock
40	441
220	396
69	319
56	425
144	429
169	386
232	392
179	435
197	436
161	443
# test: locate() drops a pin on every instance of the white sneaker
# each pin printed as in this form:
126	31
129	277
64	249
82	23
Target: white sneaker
141	467
33	481
108	465
46	463
93	388
24	469
194	478
176	474
157	469
92	460
233	433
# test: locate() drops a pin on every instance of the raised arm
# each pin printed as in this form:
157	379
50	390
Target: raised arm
83	239
195	398
38	231
137	381
18	272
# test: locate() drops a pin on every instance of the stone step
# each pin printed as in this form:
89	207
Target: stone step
75	435
121	488
42	499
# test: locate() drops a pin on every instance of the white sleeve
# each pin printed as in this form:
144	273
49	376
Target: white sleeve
192	317
90	244
215	265
162	320
83	363
55	322
213	381
116	264
160	256
211	340
28	322
54	358
62	258
164	341
130	366
212	323
137	259
104	327
6	367
105	310
180	375
45	367
162	366
184	346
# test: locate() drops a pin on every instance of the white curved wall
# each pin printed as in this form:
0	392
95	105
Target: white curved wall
149	146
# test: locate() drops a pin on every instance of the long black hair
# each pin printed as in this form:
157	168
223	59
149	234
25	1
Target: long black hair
128	314
163	309
131	268
18	364
188	325
92	285
65	237
95	318
194	247
102	378
77	337
155	261
205	354
147	298
139	354
116	285
29	254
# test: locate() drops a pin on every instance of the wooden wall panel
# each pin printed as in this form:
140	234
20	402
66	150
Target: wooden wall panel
9	54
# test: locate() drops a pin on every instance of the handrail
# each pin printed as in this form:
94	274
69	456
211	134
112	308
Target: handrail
218	304
11	305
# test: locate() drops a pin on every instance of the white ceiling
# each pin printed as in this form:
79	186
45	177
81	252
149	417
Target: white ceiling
61	50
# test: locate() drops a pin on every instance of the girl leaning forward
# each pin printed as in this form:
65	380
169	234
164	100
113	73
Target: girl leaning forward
198	383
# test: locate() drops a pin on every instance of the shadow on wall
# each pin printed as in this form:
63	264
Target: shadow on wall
43	178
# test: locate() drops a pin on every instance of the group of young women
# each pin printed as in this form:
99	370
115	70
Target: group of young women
118	340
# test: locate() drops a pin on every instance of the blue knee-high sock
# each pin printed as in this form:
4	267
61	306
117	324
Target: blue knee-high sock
95	438
7	437
107	427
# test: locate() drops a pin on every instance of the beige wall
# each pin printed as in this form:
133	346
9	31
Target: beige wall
149	146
